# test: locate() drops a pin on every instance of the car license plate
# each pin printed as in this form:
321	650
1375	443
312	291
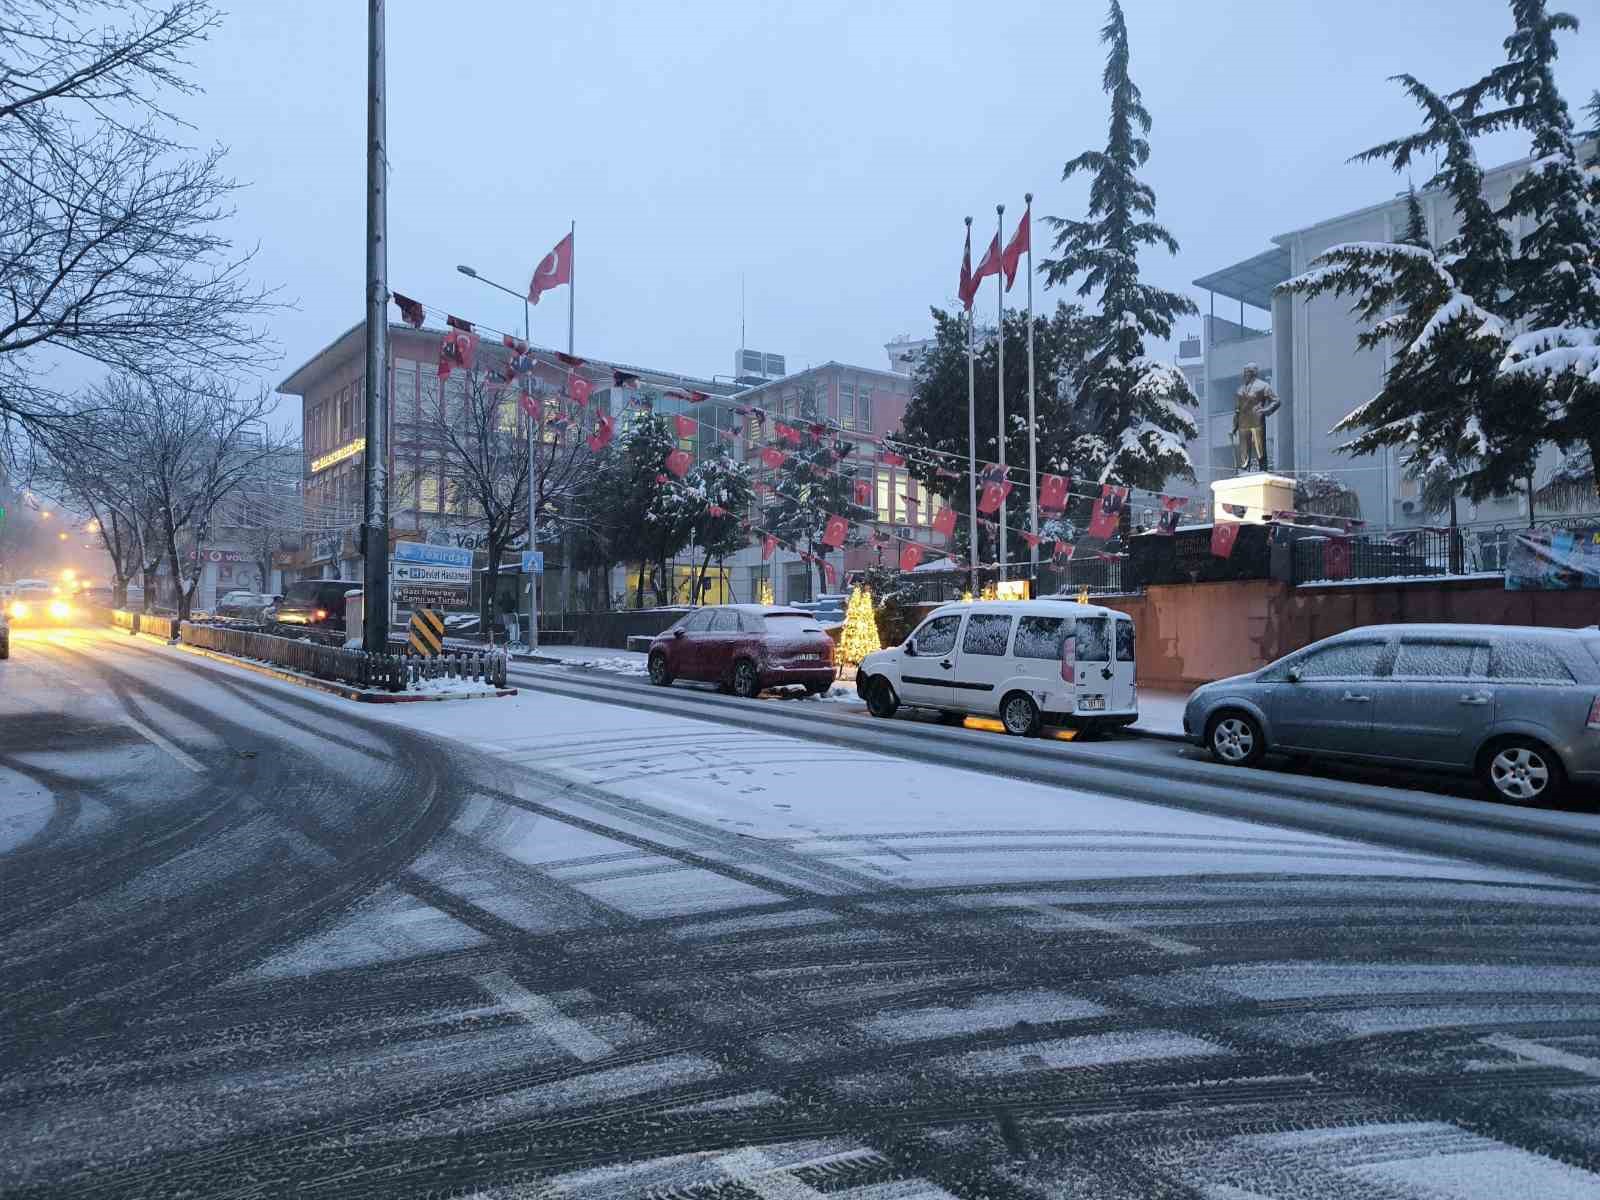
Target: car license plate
1091	702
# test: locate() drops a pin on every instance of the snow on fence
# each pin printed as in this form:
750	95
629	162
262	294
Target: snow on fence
390	672
1402	554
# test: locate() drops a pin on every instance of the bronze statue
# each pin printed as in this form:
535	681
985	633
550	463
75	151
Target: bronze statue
1253	403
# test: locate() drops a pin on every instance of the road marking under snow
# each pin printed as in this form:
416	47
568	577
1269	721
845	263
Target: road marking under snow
1547	1055
572	1036
752	1169
157	740
1099	925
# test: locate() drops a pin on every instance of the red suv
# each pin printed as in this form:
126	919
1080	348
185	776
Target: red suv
745	648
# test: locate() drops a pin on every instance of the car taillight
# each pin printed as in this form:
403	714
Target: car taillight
321	614
1594	714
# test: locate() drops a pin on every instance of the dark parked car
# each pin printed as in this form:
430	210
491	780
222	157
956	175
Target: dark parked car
247	606
1517	706
745	648
316	604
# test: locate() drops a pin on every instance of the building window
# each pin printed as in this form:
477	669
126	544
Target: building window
864	408
428	492
886	497
915	510
506	417
847	405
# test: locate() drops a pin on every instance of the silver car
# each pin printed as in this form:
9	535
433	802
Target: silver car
1517	706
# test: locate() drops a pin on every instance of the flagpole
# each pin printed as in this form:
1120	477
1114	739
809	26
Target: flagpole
972	446
1000	372
572	284
1033	448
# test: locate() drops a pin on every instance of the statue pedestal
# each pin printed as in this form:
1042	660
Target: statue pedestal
1262	494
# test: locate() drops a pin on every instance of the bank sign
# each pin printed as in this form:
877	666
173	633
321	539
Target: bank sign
440	556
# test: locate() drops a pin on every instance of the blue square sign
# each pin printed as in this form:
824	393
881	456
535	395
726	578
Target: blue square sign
533	562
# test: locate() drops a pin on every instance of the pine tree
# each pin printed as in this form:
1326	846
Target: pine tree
1555	280
1436	310
646	530
717	481
859	637
1135	412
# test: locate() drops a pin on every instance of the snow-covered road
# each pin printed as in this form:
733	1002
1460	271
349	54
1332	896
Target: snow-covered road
256	941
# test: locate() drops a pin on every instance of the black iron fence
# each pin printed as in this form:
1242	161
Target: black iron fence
1403	554
390	672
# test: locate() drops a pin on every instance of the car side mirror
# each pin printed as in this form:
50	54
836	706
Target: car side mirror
1294	675
911	647
677	633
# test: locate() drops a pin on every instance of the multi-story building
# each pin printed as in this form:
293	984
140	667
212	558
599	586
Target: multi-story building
1307	351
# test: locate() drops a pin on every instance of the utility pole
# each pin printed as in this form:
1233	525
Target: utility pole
375	515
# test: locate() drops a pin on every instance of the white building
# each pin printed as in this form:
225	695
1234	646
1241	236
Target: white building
1307	350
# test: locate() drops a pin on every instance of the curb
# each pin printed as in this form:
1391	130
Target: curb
343	691
1155	735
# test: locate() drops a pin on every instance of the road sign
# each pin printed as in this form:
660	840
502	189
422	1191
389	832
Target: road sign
448	597
533	561
427	632
422	552
404	572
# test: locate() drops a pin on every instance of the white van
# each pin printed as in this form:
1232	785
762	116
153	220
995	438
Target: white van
1028	662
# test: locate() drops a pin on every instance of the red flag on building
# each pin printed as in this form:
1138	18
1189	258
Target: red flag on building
994	495
1336	558
1171	513
458	323
526	403
1053	493
601	438
910	556
864	493
1032	539
410	311
579	388
787	433
768	545
944	521
991	261
1223	535
678	462
624	379
835	531
890	459
772	457
458	349
967	287
553	270
684	426
715	510
1015	249
1107	514
694	397
1062	551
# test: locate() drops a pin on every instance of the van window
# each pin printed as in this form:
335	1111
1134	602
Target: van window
938	636
1429	658
1521	659
304	592
1041	637
1342	660
987	633
1124	641
1093	640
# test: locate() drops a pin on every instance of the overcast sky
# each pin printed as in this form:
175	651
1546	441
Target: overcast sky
825	151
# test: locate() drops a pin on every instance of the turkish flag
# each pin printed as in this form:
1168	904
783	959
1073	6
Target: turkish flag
910	556
1336	558
601	438
678	462
835	531
1171	513
890	459
785	434
694	397
967	287
624	379
579	388
994	495
458	349
458	323
864	493
553	270
526	403
1062	551
1053	493
772	457
1032	539
685	426
1019	244
716	510
410	311
1223	535
768	545
991	262
1107	512
944	521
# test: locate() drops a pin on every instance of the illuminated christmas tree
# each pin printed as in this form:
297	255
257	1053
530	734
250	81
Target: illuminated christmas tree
859	637
766	592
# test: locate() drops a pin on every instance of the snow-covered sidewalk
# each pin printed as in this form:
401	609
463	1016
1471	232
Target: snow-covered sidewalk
593	658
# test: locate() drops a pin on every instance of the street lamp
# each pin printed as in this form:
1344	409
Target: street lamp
533	463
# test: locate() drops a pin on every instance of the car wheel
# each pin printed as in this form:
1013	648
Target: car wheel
659	675
881	700
1020	715
1235	738
746	681
1522	771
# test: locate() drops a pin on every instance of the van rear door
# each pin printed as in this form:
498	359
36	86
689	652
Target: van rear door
1093	673
1124	696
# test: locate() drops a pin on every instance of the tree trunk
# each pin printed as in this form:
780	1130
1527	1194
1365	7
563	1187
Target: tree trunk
700	585
491	593
1530	495
638	597
149	575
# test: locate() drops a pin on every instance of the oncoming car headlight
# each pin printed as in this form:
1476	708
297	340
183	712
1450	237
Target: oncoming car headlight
19	610
60	610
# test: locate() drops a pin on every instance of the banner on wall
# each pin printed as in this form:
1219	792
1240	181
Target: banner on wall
1554	560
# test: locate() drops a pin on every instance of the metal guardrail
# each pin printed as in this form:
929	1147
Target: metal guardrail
1402	554
389	672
